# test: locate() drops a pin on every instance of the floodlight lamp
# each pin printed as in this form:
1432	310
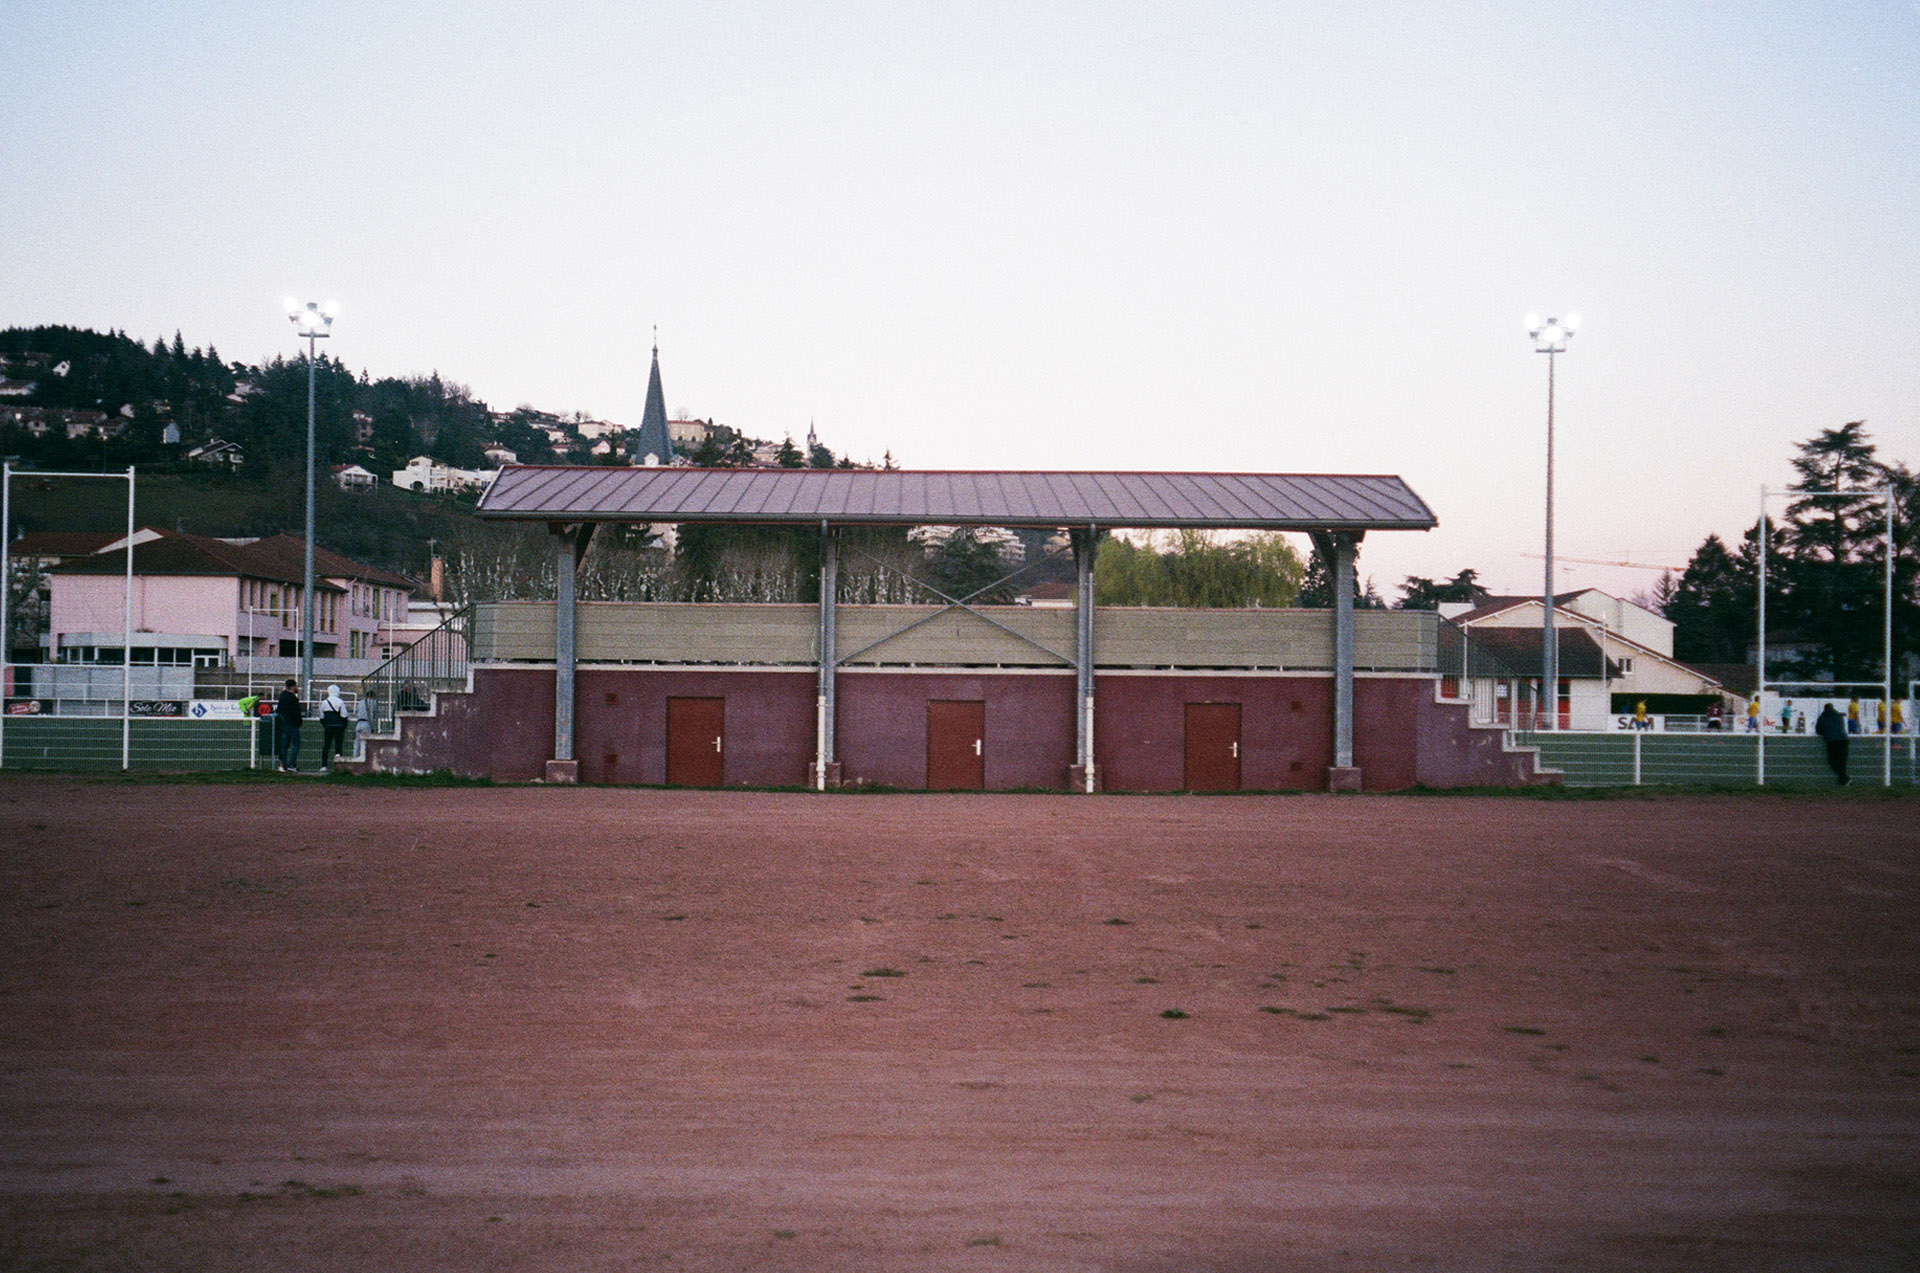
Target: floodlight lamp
1571	323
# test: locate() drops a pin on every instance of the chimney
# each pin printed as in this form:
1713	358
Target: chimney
437	578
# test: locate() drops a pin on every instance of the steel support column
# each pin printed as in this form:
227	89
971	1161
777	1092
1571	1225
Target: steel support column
1337	551
826	771
1085	544
569	547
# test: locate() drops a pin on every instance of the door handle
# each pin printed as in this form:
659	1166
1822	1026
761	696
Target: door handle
1235	744
976	746
716	743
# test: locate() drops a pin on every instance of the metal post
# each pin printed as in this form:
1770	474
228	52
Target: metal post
1636	757
829	654
1343	584
6	591
1760	665
126	644
1549	643
563	645
306	574
1085	545
1886	693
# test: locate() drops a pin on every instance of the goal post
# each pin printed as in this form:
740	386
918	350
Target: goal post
1885	685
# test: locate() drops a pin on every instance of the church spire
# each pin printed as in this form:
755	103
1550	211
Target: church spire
653	444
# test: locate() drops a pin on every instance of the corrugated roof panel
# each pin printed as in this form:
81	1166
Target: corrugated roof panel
1279	501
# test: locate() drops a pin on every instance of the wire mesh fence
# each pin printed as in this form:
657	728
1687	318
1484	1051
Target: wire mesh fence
95	743
1644	758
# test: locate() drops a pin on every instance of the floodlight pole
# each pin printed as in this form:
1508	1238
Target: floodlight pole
1550	338
313	323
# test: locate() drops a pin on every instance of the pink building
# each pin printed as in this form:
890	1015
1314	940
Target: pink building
199	600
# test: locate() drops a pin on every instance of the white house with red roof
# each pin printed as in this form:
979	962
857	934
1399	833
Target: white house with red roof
1613	653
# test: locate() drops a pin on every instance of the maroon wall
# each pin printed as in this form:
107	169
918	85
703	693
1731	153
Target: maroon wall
503	730
1402	735
882	726
620	723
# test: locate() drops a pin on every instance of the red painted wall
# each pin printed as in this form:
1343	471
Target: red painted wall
622	714
504	729
882	734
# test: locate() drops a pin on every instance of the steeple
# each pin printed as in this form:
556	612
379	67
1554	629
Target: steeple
652	444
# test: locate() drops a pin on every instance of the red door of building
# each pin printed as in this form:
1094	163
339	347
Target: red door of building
1213	747
956	745
696	742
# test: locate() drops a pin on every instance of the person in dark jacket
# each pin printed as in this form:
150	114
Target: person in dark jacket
1832	727
287	715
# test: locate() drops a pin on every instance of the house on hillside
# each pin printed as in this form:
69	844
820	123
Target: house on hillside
218	452
427	475
351	477
1612	654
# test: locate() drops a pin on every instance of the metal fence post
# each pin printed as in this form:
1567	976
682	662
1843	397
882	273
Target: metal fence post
1637	734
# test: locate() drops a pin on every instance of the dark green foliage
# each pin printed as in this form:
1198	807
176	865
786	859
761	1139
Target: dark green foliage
1826	573
1198	569
1420	593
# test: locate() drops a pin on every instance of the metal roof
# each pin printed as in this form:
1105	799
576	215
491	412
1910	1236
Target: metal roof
1260	501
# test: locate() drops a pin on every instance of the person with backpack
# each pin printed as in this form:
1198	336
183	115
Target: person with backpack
333	726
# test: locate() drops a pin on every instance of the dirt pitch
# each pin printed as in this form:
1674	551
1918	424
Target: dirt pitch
324	1027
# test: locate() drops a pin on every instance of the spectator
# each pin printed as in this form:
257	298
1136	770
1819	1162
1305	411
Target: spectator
333	726
1834	730
287	715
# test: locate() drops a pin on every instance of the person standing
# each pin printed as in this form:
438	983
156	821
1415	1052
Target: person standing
363	723
1786	717
1853	716
1753	714
333	727
287	715
1899	717
1880	716
1830	727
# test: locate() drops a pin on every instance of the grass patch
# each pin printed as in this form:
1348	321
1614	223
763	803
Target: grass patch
883	972
1174	1014
863	998
1523	1029
1119	923
992	1239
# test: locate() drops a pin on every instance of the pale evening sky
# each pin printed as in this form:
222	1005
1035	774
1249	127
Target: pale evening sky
1293	237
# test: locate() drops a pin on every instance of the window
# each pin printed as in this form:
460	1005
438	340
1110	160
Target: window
1626	664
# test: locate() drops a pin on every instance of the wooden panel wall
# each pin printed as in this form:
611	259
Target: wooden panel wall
1124	636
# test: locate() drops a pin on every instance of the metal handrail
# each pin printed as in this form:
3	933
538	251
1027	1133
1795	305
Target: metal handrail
407	681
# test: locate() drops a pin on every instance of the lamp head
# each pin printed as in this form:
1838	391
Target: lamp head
1550	335
311	318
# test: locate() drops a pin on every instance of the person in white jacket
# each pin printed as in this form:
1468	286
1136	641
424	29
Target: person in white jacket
333	726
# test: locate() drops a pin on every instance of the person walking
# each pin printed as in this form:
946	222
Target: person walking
363	723
287	715
1832	728
333	727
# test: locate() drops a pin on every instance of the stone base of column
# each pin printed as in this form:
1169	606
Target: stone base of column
563	773
833	775
1077	778
1343	778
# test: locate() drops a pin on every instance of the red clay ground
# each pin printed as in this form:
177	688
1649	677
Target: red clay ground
318	1027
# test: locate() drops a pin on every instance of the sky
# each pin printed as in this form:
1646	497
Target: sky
1270	237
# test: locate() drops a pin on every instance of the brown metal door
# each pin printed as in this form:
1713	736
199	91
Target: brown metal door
696	741
1213	746
956	745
